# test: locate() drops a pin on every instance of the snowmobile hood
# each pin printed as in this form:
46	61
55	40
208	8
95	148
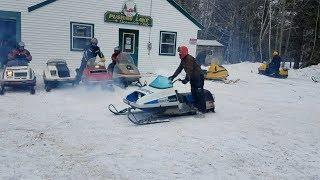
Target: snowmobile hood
126	69
97	74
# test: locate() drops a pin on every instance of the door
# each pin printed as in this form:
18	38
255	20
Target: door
10	33
129	43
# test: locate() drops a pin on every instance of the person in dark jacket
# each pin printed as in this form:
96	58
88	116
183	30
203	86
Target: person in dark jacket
194	75
274	66
114	57
20	52
92	51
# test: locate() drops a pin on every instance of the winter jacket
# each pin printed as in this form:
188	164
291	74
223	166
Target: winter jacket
190	66
275	64
92	52
17	53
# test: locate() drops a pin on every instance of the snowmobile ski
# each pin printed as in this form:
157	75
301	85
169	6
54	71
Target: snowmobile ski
138	118
142	118
115	111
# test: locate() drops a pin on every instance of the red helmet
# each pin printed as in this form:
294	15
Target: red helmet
183	51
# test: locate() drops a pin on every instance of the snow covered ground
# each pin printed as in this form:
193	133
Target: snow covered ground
264	128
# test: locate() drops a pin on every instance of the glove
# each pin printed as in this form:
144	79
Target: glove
171	78
185	81
102	59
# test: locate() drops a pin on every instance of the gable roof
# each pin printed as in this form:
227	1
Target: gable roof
172	2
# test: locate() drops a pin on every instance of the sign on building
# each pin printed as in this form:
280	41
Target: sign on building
128	15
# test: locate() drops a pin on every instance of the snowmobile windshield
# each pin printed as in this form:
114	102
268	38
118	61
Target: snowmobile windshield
124	58
17	62
91	62
161	82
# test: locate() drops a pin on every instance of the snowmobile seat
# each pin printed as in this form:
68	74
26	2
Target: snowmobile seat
134	96
185	98
63	70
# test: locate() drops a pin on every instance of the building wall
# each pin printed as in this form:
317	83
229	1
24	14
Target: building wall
46	31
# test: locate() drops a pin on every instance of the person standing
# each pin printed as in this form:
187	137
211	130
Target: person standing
92	51
194	76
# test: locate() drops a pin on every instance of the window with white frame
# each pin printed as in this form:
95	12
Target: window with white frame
80	35
168	42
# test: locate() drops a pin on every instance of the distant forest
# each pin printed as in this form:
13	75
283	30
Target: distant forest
252	29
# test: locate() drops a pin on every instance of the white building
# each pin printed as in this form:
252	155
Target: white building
61	29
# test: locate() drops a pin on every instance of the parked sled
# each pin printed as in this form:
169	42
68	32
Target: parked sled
160	99
125	71
18	74
218	73
56	73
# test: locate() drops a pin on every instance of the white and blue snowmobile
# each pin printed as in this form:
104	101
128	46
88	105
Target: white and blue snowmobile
158	101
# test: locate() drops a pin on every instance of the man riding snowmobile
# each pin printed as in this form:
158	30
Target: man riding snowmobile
194	75
20	53
91	52
274	66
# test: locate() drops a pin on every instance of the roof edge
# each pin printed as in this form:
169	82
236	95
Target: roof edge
40	5
185	13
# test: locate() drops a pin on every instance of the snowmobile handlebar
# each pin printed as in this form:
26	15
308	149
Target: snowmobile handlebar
176	81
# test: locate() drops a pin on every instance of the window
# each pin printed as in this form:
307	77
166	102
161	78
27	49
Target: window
80	35
168	41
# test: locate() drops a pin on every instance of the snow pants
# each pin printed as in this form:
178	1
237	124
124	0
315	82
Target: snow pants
198	93
80	71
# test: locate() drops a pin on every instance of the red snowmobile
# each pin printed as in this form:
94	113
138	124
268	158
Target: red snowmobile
97	74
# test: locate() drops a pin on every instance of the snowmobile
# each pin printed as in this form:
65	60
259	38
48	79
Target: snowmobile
218	73
263	69
97	74
56	73
125	71
159	100
18	74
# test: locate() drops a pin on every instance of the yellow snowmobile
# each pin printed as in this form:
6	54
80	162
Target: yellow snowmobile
263	69
218	73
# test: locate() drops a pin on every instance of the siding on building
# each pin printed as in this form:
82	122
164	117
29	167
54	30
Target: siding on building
46	31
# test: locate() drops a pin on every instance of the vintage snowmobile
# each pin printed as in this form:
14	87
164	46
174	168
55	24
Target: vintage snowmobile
18	74
125	71
263	69
218	73
57	72
97	74
159	100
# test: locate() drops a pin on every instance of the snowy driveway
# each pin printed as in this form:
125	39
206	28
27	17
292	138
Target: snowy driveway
263	128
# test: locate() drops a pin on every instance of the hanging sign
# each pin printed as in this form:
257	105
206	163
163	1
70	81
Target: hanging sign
128	15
